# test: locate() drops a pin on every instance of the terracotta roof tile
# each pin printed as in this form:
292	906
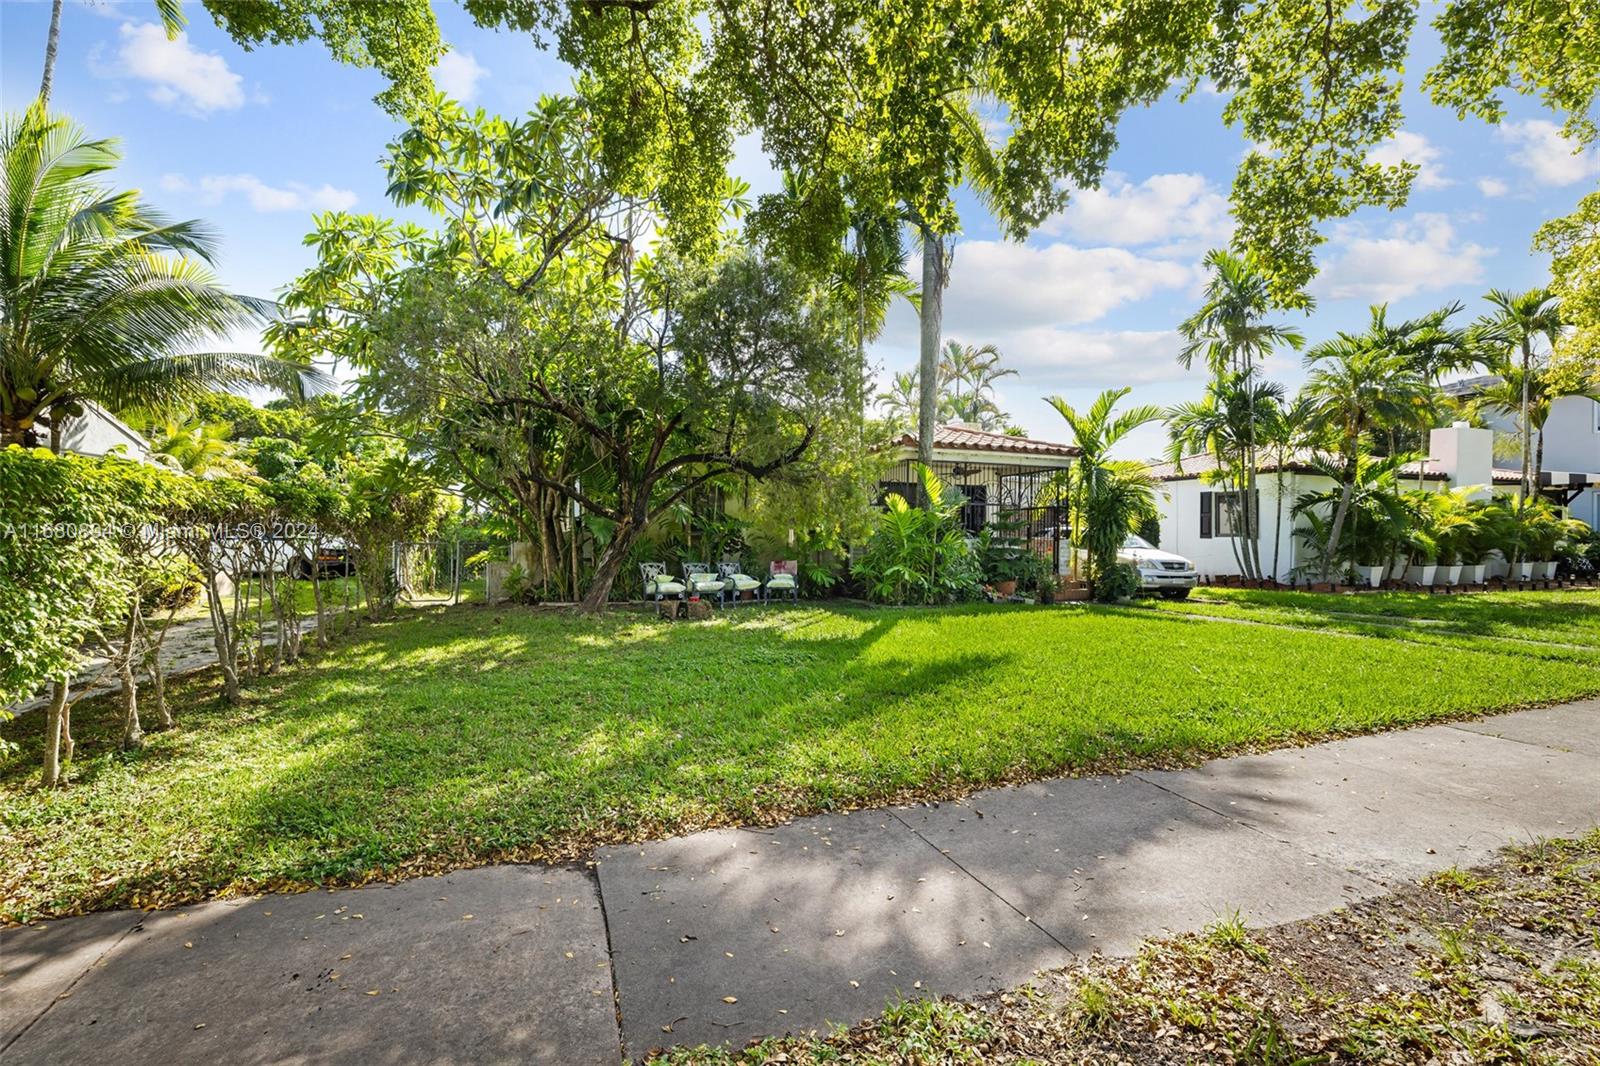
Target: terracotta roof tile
966	438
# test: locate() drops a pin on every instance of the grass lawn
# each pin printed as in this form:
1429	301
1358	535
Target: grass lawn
452	737
1554	625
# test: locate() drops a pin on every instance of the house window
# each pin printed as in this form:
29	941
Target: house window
1222	514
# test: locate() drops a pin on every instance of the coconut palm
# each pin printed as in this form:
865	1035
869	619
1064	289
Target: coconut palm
102	300
870	273
1521	329
169	11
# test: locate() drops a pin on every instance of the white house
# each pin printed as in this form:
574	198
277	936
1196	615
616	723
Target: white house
1197	519
1571	446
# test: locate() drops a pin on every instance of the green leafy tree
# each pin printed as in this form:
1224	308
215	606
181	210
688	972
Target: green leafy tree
100	299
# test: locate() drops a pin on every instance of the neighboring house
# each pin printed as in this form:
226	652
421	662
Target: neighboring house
1571	445
98	431
1002	478
1197	518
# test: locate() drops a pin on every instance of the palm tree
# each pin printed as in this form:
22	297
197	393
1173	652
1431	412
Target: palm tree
899	401
983	172
101	300
195	447
1358	384
1528	396
169	11
1366	495
1230	330
978	369
1520	320
1096	432
870	273
1287	431
1223	425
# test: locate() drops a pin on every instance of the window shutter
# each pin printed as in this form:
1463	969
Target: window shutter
1205	516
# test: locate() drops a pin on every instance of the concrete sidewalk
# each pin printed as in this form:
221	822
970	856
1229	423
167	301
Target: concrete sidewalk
728	935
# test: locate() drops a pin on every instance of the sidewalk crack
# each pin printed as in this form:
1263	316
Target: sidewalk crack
951	859
138	923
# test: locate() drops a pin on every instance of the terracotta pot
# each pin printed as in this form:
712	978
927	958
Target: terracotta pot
1005	588
1322	586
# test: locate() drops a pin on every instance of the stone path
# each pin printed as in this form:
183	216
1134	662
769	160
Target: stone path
732	934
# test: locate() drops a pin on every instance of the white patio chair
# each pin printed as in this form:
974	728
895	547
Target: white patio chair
737	581
783	577
658	584
702	582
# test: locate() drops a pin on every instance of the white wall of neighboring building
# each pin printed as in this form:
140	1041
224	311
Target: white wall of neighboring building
1572	435
97	432
1212	556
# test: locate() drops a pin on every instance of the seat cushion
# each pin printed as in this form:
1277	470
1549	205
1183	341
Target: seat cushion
705	583
743	582
780	581
663	587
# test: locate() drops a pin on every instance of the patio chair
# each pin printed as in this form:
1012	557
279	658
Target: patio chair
658	584
783	577
737	581
702	582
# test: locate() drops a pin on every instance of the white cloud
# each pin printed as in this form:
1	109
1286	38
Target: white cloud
1493	187
1001	285
1547	155
1413	256
1408	147
1182	213
457	75
294	196
1050	360
178	74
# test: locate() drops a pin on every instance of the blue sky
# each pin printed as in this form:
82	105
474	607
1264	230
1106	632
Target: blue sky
255	141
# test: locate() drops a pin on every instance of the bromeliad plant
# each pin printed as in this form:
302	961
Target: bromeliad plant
920	554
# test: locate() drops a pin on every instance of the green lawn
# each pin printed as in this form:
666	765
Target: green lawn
1557	624
459	736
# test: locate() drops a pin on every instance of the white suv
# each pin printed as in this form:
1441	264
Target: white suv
1170	575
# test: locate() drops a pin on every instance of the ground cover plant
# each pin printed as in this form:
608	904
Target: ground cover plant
1495	964
459	736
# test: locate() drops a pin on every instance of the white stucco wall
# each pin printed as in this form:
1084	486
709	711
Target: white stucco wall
97	432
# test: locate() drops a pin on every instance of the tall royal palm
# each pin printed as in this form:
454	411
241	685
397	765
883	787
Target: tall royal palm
102	300
1520	324
1231	333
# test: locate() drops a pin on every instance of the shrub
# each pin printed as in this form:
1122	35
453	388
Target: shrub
920	554
1117	582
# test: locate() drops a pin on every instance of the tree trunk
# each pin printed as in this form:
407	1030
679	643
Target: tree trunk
1525	488
51	42
227	659
132	734
931	316
55	720
158	675
1277	524
608	567
1346	491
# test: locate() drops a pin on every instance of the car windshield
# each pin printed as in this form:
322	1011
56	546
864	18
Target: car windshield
1136	541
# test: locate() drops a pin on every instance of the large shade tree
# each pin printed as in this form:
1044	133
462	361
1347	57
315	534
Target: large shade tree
584	385
101	299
